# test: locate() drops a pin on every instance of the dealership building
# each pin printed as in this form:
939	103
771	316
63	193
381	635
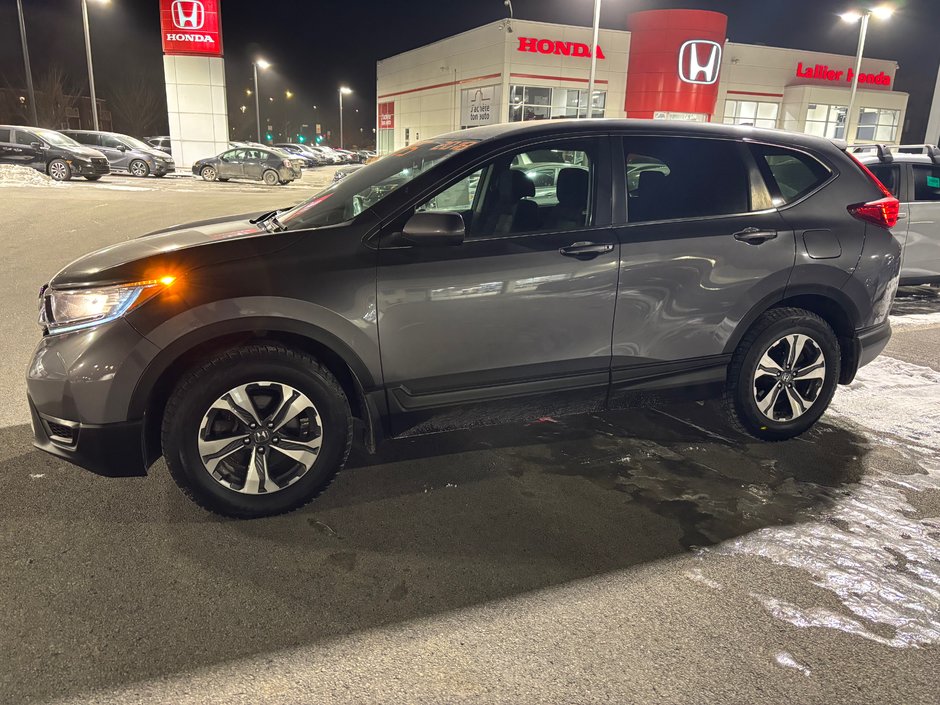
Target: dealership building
671	65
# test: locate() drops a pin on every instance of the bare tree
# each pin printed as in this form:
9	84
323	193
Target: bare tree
135	106
53	100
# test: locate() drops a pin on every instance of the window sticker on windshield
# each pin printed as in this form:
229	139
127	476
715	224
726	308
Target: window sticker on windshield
452	145
933	181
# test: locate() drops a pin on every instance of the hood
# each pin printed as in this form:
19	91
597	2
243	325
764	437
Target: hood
173	251
87	152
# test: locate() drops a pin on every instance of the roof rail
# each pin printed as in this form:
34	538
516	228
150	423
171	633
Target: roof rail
882	150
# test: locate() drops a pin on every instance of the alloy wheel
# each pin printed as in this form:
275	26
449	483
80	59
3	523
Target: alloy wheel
208	174
138	168
259	438
789	377
58	171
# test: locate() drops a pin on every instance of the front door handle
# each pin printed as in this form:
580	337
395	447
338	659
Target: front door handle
755	236
586	250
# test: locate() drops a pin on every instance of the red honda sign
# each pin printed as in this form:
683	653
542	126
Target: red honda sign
387	116
535	45
191	27
822	72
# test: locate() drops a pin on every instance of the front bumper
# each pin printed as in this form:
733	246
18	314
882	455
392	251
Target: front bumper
79	387
97	167
161	168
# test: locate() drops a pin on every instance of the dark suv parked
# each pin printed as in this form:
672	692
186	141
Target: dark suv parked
50	152
430	291
126	153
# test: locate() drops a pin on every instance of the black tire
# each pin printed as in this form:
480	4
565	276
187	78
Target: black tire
209	173
93	178
742	388
223	180
270	177
202	386
59	170
138	168
160	176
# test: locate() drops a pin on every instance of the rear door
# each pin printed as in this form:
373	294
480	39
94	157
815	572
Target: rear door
256	162
922	252
701	245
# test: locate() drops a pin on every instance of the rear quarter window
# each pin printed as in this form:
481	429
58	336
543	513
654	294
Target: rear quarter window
789	174
887	174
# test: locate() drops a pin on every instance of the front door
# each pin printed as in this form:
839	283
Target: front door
115	151
516	321
231	165
701	246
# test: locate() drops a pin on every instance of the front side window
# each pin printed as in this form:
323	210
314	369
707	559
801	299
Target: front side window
926	182
229	156
751	112
364	188
678	177
524	192
111	142
25	138
790	173
826	120
878	124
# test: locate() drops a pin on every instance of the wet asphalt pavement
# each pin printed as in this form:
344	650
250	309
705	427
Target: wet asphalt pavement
642	556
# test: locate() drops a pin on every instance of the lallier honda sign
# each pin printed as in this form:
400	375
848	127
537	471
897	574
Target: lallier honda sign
191	27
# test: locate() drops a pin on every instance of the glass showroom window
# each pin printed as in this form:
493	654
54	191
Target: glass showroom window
878	124
826	120
751	112
541	103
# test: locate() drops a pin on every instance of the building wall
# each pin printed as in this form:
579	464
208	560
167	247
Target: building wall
196	106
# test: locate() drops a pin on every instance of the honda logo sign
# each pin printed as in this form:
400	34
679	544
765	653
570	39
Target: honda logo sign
188	14
699	61
191	27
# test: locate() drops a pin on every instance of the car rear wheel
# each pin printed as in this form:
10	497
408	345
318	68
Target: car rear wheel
60	170
209	173
221	179
256	431
783	374
139	168
94	177
270	177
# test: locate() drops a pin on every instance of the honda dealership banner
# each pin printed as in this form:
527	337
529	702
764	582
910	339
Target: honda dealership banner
479	106
191	27
191	33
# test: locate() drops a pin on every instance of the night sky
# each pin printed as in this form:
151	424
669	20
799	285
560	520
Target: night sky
316	46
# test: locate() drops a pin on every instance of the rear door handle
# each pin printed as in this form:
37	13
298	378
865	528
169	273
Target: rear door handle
755	236
586	250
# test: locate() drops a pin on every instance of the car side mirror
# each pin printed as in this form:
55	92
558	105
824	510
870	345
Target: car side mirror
37	145
122	148
441	229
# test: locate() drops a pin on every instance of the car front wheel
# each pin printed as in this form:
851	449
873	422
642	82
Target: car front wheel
256	431
208	173
139	168
783	374
60	170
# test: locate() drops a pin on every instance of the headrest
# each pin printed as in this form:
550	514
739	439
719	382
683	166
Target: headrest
572	187
522	185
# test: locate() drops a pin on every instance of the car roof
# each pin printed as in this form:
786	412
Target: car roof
537	128
896	157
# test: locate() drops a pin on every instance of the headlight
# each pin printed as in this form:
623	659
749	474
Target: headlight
74	309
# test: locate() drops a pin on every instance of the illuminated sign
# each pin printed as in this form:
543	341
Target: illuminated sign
699	61
386	116
191	27
551	46
821	72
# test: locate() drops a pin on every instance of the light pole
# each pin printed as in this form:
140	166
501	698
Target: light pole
29	72
255	65
343	90
91	70
597	23
882	12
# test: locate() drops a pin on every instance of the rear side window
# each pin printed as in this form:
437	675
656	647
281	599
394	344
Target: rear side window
5	134
677	177
789	173
888	174
926	183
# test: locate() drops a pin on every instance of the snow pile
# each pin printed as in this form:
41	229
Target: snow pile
872	549
16	175
915	319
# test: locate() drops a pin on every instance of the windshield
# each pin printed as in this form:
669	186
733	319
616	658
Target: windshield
135	143
364	188
56	139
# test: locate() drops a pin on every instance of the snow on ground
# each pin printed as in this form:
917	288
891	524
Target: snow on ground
915	319
16	175
872	548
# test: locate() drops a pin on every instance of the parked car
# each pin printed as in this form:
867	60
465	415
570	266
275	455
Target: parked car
912	174
126	153
161	142
294	151
269	165
753	265
50	152
321	157
348	156
330	154
345	171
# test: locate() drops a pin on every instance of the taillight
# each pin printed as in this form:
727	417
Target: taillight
884	211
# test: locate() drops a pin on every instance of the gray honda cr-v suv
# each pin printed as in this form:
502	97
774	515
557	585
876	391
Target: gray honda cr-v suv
432	290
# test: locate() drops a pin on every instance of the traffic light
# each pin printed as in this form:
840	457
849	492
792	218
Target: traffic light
269	137
319	139
301	139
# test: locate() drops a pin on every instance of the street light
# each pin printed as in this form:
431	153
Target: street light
256	64
29	71
881	12
91	70
288	94
343	90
